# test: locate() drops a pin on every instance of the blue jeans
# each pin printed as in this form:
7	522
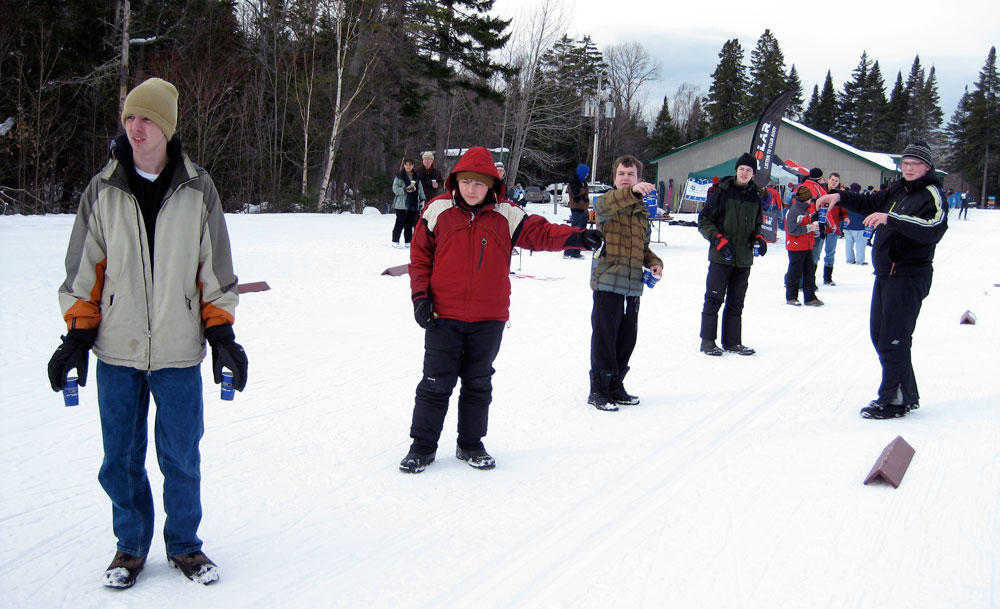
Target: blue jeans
855	244
577	217
123	397
828	246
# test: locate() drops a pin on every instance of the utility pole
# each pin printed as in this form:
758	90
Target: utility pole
597	128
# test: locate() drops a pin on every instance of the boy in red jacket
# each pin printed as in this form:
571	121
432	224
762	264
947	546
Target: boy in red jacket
800	228
460	283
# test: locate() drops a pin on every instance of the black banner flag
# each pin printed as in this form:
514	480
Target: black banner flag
765	136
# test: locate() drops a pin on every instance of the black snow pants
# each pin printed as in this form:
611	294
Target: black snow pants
452	350
615	323
727	283
896	301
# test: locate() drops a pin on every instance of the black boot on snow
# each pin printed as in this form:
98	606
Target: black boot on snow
479	458
741	350
619	395
414	462
828	276
123	570
600	391
878	410
708	347
195	566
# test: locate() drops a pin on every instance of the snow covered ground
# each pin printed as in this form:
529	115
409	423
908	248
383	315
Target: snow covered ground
737	482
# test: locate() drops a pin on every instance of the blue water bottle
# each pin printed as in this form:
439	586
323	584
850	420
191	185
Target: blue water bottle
71	392
228	392
869	231
756	250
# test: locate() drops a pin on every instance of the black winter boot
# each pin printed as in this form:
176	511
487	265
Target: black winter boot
708	347
828	276
600	391
618	394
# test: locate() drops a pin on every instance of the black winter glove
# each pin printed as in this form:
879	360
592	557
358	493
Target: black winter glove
72	353
423	312
762	243
227	353
722	246
593	240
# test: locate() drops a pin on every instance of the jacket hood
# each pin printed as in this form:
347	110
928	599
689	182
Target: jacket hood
582	171
479	160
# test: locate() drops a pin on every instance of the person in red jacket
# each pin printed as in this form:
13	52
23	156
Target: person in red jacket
800	236
460	282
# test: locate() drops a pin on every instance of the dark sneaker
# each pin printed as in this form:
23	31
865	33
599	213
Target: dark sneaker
878	410
741	349
195	566
414	463
794	303
623	398
815	302
123	570
479	458
912	406
601	402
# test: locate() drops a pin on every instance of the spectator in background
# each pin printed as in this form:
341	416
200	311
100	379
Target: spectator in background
830	232
429	176
801	225
579	203
964	211
855	243
409	193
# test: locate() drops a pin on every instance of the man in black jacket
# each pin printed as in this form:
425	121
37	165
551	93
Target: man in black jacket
910	219
731	222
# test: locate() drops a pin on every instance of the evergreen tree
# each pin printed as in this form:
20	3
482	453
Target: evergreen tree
767	74
726	104
809	115
896	115
913	125
933	116
794	110
849	122
664	137
825	115
975	131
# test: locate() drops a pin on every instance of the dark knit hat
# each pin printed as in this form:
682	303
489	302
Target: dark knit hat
746	159
815	173
855	187
156	99
920	151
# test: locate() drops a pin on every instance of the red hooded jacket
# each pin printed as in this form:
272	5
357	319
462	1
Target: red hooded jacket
460	254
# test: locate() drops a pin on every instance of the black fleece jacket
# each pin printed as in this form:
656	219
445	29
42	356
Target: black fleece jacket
905	244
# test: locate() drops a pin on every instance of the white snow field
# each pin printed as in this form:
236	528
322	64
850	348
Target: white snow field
737	482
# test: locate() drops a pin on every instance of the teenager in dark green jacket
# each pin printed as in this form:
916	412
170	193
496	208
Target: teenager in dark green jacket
731	222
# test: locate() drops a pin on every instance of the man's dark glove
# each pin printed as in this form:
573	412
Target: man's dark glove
762	245
722	246
72	353
592	239
227	353
423	312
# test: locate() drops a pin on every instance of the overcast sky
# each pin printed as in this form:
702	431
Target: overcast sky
686	37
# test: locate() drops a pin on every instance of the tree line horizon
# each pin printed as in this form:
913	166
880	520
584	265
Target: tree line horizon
311	105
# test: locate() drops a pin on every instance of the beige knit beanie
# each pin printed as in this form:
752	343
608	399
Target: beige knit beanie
156	99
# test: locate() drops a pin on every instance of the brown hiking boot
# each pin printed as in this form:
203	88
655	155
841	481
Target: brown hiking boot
123	570
195	566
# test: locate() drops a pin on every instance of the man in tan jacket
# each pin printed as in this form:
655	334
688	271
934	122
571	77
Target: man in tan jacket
149	277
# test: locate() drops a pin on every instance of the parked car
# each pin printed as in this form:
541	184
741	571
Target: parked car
560	190
535	194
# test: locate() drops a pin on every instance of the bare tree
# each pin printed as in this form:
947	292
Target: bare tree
630	69
537	112
349	27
